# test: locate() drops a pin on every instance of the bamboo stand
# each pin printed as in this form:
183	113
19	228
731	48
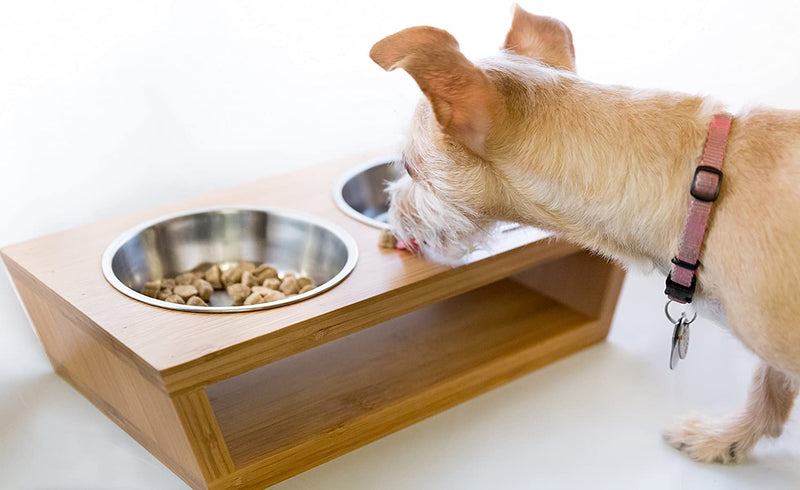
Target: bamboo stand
247	400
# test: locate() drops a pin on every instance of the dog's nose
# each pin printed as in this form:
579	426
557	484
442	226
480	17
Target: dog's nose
412	245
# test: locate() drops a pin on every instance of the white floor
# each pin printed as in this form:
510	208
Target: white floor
112	107
589	421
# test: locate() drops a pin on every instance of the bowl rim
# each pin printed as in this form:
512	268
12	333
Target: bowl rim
339	232
338	187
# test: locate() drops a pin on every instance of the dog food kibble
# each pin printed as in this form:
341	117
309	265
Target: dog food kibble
151	288
185	279
174	298
254	299
196	301
231	276
212	275
289	285
204	289
387	239
185	291
264	272
245	283
200	269
274	296
238	293
272	283
249	279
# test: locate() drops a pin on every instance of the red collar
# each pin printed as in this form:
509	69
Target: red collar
704	191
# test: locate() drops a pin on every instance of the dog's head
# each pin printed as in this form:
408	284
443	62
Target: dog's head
456	188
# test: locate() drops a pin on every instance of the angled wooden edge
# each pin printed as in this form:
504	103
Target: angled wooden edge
205	437
20	277
131	396
614	282
191	476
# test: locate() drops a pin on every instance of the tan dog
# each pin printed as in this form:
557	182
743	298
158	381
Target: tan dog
519	137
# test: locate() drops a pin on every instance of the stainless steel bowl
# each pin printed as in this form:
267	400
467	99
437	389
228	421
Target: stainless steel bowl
287	240
361	192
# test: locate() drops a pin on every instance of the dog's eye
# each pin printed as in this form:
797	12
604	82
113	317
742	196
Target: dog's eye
408	170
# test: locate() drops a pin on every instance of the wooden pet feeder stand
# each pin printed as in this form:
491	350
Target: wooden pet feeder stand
249	399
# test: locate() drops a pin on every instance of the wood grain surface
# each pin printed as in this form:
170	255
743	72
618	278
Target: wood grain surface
190	349
247	400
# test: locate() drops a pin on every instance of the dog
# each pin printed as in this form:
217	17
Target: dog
519	137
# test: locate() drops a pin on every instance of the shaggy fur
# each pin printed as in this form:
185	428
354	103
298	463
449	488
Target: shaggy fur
520	137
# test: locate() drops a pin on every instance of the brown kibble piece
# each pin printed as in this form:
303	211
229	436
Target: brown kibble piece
245	283
174	298
264	272
254	299
272	283
249	280
199	269
274	296
387	239
246	266
151	288
185	279
212	276
231	276
204	289
185	291
304	281
289	284
196	301
238	293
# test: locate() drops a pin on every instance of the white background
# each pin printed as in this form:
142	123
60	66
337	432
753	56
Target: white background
108	107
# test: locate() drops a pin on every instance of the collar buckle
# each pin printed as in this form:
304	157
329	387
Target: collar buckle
678	292
699	189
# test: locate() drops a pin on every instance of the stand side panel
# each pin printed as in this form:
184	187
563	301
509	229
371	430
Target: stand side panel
112	383
205	437
583	281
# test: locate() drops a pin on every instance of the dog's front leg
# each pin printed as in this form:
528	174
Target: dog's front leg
729	439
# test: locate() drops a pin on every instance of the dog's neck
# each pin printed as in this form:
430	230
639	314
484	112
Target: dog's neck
609	167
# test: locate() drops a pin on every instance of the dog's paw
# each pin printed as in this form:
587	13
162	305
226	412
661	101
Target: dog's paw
708	440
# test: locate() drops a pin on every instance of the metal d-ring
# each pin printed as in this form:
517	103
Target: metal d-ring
682	317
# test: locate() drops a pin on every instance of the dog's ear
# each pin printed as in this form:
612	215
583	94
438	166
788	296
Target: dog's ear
543	38
462	96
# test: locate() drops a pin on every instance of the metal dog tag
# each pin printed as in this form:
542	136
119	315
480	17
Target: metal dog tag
680	334
680	342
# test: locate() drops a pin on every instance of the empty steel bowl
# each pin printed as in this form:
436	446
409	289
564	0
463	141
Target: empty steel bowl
287	240
361	193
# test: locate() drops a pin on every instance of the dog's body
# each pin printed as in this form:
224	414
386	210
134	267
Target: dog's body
520	138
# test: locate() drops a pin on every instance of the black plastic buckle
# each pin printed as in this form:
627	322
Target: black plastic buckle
685	265
695	193
679	292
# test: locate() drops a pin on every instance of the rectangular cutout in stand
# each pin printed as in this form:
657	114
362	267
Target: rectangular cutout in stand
365	382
